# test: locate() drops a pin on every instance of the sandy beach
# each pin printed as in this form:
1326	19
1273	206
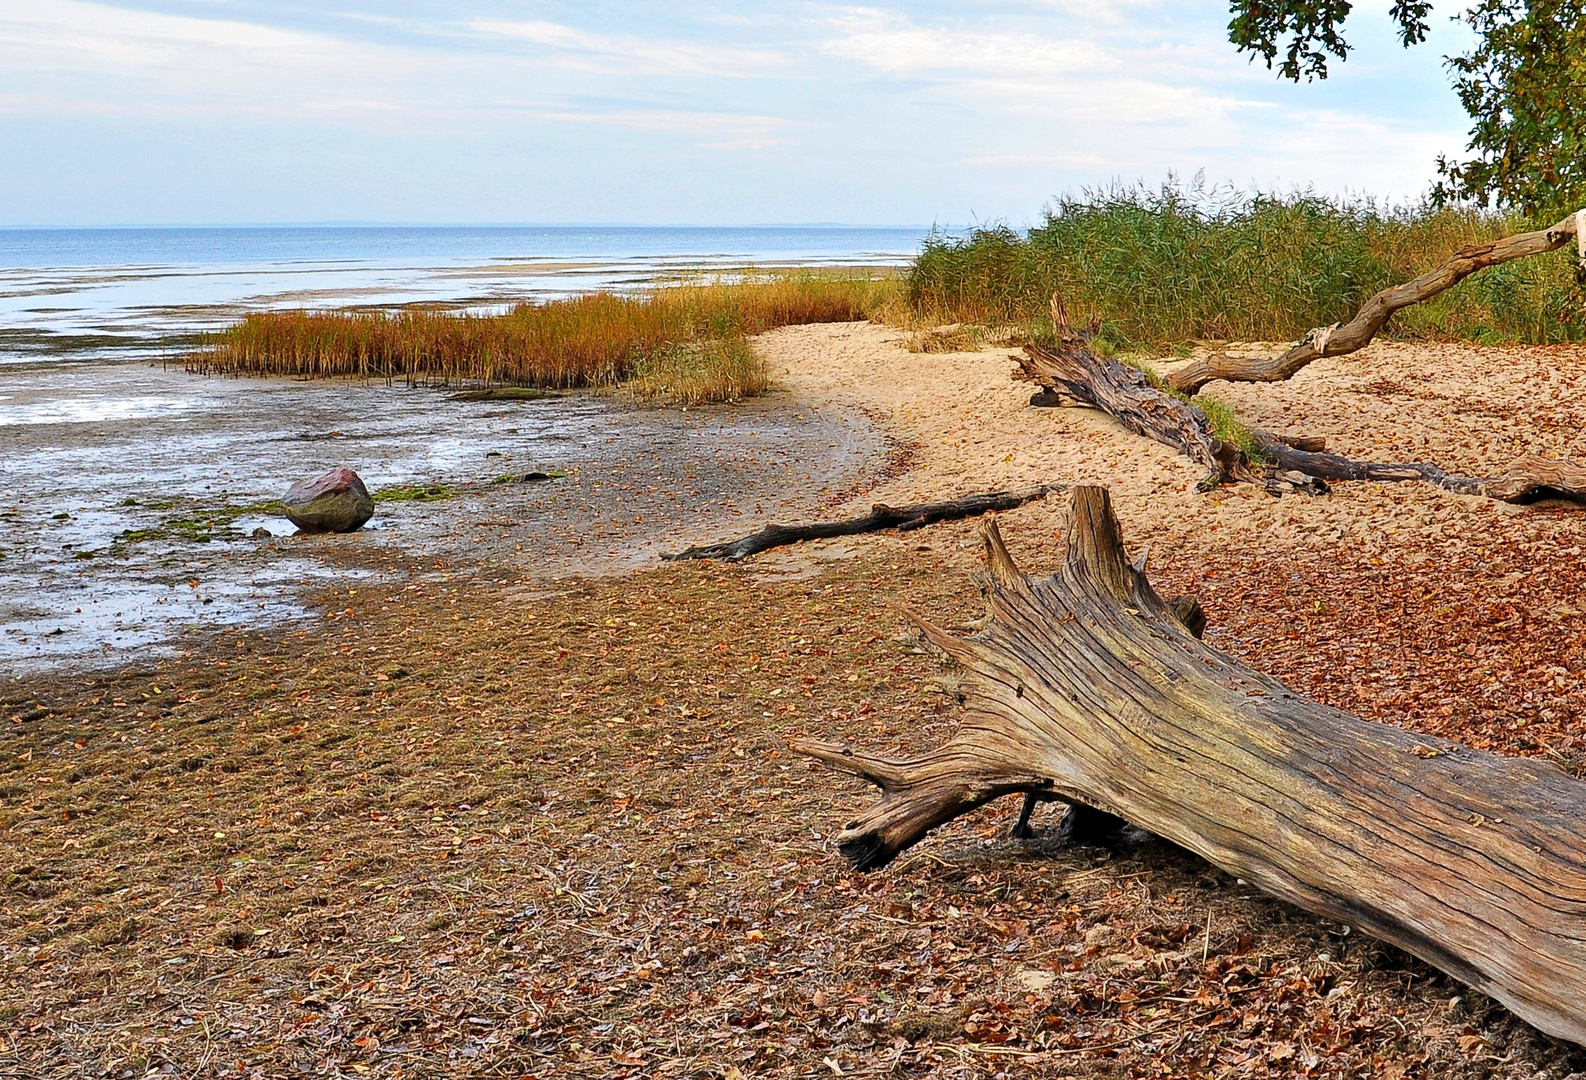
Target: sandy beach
969	427
525	821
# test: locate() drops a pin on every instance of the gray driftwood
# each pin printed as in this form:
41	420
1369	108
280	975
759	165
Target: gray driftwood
1073	372
881	516
1342	338
1084	687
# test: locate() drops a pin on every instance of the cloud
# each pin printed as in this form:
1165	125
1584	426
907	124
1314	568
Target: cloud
727	131
896	46
870	109
633	55
1100	81
1063	161
88	57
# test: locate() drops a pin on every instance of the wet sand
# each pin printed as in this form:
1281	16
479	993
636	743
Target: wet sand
129	495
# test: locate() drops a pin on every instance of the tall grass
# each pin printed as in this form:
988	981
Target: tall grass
1180	263
595	340
719	369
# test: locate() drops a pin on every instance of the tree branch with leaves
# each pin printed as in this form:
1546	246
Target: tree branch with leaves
1524	86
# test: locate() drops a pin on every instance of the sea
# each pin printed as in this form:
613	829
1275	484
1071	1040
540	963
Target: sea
89	295
128	532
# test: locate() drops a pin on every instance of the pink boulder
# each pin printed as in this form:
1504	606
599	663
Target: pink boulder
335	502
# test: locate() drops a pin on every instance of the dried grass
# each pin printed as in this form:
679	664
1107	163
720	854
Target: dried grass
589	341
719	370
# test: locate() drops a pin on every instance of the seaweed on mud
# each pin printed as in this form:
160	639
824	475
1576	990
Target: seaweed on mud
527	478
199	527
503	393
416	493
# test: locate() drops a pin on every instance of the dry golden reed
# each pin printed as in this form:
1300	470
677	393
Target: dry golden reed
595	340
722	369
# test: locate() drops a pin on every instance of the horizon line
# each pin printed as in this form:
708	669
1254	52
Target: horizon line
355	224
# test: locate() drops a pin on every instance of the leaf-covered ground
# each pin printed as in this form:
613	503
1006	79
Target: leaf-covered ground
471	825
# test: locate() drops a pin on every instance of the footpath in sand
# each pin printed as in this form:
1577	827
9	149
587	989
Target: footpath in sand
511	825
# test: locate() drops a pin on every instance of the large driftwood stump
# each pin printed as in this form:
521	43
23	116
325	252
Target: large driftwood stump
1073	373
1084	687
1342	338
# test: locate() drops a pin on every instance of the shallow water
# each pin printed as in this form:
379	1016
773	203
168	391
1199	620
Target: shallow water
70	295
129	494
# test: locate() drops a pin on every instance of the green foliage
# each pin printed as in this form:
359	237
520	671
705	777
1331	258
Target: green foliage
1225	426
1312	29
1221	420
1524	86
1180	263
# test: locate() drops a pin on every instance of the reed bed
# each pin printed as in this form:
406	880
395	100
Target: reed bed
721	369
1160	267
669	337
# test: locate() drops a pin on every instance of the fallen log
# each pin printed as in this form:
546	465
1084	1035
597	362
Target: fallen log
1342	338
1530	479
881	516
1083	687
1281	463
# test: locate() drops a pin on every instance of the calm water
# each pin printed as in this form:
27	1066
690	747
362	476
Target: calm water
97	294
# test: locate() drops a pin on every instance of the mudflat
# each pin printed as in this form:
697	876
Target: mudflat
524	816
130	495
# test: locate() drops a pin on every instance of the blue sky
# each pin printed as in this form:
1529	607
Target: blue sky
216	111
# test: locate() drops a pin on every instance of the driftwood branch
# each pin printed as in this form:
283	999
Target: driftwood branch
1528	480
902	518
1286	463
1084	687
1342	338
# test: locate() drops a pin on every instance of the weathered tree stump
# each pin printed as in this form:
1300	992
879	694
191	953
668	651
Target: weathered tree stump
1085	687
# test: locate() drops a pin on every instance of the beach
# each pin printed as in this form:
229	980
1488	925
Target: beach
526	810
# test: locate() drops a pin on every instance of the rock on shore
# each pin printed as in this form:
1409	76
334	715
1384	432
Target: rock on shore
335	502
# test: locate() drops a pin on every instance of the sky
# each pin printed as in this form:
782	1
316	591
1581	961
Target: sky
717	112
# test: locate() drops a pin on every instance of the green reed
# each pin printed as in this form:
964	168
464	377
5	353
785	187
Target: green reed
1180	263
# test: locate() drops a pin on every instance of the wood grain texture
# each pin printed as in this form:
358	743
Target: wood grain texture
1084	687
1342	338
1074	373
